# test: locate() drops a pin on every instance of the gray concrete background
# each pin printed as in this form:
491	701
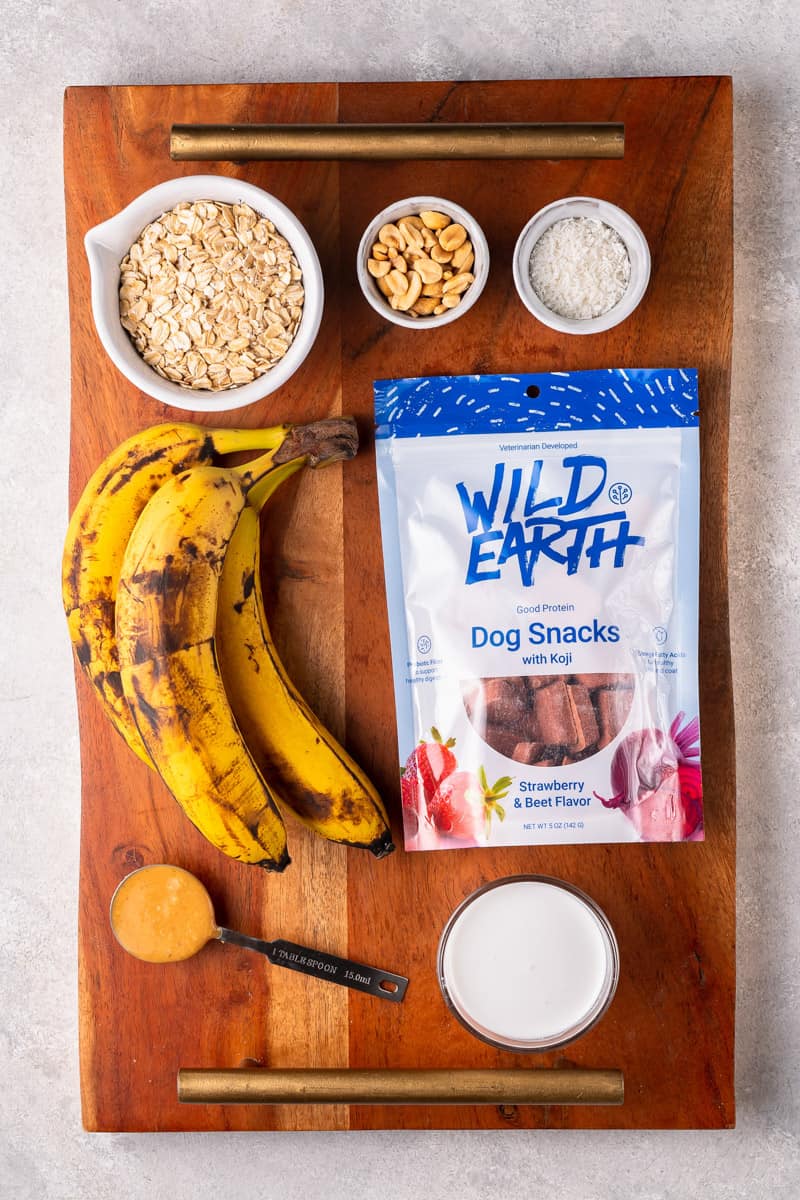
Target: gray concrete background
52	43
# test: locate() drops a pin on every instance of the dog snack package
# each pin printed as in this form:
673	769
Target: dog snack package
540	541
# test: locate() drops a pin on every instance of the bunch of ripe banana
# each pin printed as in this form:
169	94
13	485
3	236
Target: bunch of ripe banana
161	586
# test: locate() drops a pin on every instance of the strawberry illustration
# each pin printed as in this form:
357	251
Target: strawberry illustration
463	805
425	768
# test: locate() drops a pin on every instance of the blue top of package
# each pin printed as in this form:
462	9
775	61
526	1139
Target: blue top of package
609	399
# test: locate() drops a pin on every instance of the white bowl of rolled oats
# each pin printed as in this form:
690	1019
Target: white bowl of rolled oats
206	292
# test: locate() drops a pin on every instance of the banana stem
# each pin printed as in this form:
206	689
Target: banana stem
253	472
321	442
232	441
260	491
316	444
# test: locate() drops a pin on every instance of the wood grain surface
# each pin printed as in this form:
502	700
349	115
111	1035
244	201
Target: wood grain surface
671	1025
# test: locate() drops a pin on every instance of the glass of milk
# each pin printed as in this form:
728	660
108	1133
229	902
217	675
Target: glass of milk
528	963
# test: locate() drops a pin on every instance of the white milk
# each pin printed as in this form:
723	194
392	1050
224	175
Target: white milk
528	961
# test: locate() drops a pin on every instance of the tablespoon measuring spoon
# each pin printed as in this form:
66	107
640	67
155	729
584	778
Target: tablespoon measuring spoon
163	913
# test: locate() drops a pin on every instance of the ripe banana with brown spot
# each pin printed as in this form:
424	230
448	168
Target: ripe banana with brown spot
309	771
165	618
103	521
166	612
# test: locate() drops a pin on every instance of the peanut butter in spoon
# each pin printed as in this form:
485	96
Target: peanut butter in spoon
162	914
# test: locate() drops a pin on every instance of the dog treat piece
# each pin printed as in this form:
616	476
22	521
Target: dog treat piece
504	741
527	752
548	720
612	706
583	715
599	681
554	715
503	703
506	700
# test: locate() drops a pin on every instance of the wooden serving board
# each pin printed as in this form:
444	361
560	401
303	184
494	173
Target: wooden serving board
671	1026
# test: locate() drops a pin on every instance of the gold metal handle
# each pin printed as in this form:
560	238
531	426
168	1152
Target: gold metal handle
238	143
337	1086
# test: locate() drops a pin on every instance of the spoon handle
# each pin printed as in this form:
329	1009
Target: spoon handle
384	984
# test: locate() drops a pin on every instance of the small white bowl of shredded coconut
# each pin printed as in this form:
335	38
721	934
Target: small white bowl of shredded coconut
581	265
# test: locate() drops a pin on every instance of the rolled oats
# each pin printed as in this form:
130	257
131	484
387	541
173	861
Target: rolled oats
211	295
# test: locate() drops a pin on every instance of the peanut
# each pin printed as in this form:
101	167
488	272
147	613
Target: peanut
458	284
412	292
397	283
429	270
391	236
461	255
452	237
411	235
425	305
434	220
422	263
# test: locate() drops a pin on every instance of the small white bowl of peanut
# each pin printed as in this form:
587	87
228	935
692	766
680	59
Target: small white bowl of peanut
423	262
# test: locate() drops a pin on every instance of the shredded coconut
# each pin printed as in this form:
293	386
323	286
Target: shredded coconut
580	268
